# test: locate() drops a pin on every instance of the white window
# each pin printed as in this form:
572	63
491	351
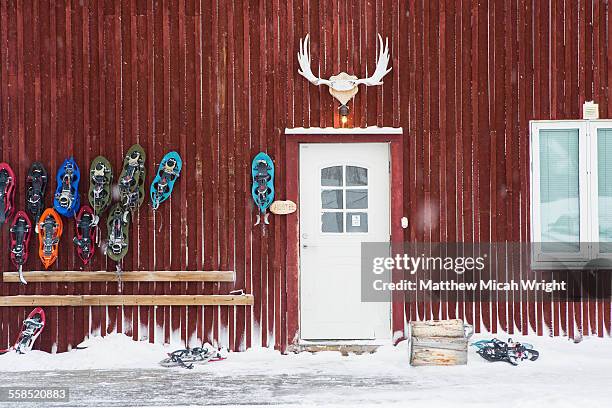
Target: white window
571	193
344	199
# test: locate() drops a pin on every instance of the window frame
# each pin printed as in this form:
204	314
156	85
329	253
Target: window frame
344	210
588	194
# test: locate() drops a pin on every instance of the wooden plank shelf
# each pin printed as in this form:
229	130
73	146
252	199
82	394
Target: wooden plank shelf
126	276
126	300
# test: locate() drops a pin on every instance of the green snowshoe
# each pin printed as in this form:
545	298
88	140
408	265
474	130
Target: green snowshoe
118	226
132	179
100	180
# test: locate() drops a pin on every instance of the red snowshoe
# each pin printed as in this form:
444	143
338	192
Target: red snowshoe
31	329
21	230
7	192
86	229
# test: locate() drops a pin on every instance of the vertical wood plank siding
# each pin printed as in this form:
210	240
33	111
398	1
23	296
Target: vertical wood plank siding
217	80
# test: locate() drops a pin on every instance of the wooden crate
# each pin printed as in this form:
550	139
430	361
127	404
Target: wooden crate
438	342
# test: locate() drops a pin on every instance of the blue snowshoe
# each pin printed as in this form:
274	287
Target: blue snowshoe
167	174
262	191
67	201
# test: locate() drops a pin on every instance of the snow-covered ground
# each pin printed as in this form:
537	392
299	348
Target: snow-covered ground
115	371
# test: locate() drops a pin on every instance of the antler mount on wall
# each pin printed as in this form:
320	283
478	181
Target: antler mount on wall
343	86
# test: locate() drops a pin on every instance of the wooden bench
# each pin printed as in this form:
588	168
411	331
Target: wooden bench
126	276
126	300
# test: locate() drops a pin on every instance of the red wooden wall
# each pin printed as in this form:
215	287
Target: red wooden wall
217	80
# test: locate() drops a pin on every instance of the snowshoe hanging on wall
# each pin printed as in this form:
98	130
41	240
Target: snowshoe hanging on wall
49	233
100	179
167	174
7	192
21	230
132	178
31	329
85	234
262	191
118	225
67	200
36	184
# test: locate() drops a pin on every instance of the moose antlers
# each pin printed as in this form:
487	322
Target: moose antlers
343	83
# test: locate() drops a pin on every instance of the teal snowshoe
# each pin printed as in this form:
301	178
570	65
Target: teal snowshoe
262	170
167	174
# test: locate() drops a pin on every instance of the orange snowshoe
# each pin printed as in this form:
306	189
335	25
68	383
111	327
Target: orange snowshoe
49	233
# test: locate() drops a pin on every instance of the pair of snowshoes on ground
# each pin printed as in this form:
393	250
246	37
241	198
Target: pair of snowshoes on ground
262	171
7	192
67	200
510	352
189	357
31	329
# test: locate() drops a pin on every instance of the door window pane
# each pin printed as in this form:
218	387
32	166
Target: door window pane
356	176
331	199
332	222
604	181
357	199
331	176
356	222
559	192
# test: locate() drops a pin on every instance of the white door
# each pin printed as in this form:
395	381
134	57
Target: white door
344	201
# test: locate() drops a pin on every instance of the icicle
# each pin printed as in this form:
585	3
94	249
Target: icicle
119	281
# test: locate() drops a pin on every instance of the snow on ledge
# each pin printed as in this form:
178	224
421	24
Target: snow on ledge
371	130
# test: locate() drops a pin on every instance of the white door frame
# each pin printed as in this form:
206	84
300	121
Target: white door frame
380	339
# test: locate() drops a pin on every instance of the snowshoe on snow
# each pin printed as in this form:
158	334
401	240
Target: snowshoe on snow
49	233
167	174
7	192
510	352
21	230
36	187
100	179
67	200
31	329
118	228
85	235
262	170
132	178
186	358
